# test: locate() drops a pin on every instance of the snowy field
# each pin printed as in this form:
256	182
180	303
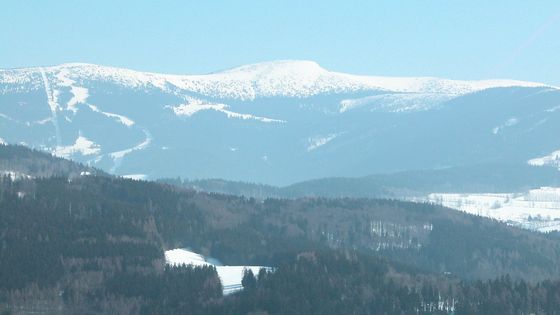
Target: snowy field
537	209
230	276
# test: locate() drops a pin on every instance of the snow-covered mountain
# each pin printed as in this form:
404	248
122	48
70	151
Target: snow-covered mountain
279	78
275	122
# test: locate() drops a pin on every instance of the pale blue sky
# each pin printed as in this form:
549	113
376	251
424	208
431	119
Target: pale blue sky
455	39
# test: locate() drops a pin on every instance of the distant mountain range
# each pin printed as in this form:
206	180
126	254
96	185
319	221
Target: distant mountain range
277	122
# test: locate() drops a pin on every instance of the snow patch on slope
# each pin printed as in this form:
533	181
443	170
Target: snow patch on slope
15	175
319	141
294	78
553	159
52	101
119	118
396	103
136	176
144	144
119	155
181	256
553	109
230	276
537	209
509	123
8	118
79	96
82	145
194	106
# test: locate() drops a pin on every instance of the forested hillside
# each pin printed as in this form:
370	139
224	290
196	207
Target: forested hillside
483	178
94	244
20	161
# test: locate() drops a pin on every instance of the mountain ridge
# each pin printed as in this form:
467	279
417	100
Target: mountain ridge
261	74
277	122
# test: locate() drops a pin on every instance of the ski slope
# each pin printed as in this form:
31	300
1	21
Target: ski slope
230	276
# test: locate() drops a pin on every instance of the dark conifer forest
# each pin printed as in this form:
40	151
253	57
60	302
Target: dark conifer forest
74	240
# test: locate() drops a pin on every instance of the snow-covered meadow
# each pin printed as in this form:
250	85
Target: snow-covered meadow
536	209
230	276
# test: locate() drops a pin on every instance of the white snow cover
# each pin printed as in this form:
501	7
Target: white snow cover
82	145
396	102
194	106
290	78
553	109
316	142
119	118
15	175
136	176
141	146
79	96
553	159
230	276
118	156
537	209
20	77
52	100
508	123
8	117
181	256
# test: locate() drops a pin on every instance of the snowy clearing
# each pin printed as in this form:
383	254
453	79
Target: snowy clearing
537	209
120	118
136	176
553	159
230	276
194	106
319	141
15	175
82	145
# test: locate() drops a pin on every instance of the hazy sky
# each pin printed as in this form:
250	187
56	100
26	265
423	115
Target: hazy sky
455	39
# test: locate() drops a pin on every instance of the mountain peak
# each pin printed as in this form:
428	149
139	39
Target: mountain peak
290	78
292	67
